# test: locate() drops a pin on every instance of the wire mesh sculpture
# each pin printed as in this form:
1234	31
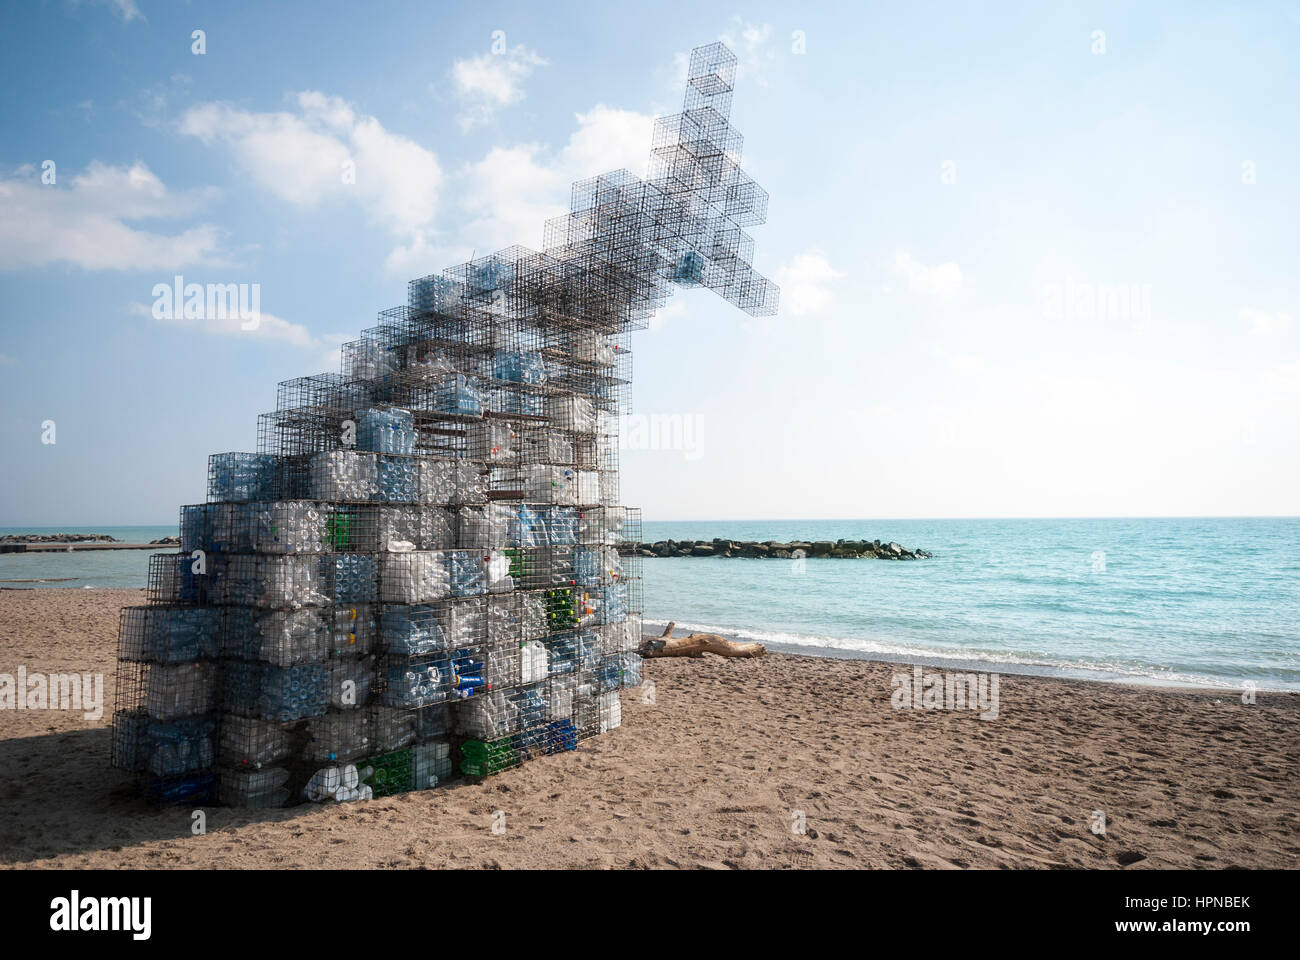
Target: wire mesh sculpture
418	574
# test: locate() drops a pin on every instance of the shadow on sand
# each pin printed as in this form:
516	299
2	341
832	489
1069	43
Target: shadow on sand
60	796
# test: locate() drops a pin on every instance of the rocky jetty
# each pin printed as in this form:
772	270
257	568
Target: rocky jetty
166	542
776	549
57	538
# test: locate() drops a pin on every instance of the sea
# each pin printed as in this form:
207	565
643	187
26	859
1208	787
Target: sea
1209	602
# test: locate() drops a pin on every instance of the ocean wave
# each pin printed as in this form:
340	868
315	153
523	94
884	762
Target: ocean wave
1109	671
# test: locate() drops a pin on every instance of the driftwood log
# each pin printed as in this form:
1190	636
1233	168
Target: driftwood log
697	645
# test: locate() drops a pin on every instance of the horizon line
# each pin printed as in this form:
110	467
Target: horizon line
1226	516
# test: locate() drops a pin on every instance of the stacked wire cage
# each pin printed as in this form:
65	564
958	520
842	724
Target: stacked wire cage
420	573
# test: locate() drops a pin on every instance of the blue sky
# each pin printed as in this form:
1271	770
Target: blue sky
1034	262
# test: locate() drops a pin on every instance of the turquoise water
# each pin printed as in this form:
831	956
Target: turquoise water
1203	601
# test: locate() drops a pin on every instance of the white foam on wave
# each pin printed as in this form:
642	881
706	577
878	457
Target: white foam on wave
875	649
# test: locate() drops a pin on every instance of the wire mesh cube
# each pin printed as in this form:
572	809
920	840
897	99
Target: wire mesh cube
179	578
352	682
253	788
252	742
387	430
338	735
391	729
280	637
169	634
431	764
174	690
241	477
284	582
419	576
276	527
350	630
274	693
350	578
346	475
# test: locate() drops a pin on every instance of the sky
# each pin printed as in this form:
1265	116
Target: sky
1035	260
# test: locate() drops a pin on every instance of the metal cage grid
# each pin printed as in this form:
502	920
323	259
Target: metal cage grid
421	572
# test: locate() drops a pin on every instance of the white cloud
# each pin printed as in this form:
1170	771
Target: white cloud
675	308
282	153
1264	324
86	224
488	82
511	192
755	53
330	356
805	282
304	158
269	327
398	178
608	139
421	256
500	200
942	281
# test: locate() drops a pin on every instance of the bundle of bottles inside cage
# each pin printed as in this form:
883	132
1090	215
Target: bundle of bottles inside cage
418	578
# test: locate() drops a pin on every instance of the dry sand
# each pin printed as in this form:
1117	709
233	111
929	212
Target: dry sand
709	775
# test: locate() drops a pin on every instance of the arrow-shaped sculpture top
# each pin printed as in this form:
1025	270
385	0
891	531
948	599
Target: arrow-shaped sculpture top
626	242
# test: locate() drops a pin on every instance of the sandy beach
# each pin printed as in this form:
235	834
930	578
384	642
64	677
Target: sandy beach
712	770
